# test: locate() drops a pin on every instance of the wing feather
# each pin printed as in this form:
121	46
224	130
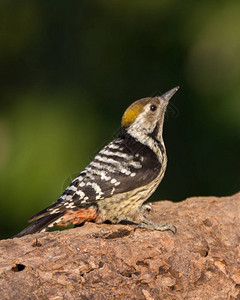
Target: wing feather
121	166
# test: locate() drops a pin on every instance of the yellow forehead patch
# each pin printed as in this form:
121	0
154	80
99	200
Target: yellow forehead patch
131	113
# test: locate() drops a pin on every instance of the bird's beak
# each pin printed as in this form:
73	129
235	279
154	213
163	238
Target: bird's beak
168	95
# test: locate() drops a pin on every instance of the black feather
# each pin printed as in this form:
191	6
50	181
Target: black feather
39	225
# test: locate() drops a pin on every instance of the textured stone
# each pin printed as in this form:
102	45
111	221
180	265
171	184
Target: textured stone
201	261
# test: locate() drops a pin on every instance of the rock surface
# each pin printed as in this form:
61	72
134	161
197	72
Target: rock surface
201	261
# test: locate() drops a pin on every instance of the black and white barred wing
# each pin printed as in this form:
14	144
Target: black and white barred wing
121	166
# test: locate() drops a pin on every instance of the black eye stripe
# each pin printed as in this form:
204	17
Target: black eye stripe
153	107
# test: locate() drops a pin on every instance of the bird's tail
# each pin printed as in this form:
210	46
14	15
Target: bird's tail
41	225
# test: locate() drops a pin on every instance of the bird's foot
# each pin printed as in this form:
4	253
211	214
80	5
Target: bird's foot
147	224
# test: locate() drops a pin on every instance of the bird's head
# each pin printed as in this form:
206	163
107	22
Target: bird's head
147	115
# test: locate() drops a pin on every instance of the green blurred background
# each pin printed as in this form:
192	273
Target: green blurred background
69	69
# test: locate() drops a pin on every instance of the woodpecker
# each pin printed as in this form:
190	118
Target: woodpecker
121	177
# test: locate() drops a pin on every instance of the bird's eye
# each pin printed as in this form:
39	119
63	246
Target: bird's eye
153	107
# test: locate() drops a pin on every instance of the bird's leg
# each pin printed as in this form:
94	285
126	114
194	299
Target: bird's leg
146	209
148	224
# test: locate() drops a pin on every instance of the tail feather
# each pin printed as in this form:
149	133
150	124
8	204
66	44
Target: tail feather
45	212
41	224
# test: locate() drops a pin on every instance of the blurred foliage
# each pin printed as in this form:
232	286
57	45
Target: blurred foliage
69	69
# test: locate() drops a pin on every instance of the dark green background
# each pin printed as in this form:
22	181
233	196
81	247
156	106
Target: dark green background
69	69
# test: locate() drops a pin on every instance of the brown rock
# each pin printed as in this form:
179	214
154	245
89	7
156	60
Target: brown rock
201	261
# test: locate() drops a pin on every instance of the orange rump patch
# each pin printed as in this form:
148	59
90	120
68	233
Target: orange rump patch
78	216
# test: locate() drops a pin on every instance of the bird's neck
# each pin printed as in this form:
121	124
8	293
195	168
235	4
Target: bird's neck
153	140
